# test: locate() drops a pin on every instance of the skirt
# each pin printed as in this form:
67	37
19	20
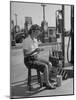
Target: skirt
33	62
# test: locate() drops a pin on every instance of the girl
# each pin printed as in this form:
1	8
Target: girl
31	50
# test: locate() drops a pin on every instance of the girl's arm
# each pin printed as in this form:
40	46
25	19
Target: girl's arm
26	53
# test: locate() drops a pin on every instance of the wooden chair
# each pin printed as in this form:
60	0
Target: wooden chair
29	77
30	67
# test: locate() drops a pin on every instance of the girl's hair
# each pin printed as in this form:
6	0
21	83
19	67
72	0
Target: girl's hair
33	27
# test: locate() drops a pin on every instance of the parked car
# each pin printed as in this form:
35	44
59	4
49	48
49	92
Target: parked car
19	37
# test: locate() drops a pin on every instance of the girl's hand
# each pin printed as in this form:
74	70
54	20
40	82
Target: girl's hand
39	49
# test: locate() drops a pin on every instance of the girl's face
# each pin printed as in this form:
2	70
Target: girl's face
35	33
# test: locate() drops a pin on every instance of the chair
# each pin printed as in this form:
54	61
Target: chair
30	67
29	77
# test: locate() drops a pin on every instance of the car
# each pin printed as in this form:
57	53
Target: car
19	37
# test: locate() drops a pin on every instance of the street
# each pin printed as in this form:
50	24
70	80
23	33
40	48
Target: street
19	73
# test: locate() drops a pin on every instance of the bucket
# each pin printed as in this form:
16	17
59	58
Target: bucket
59	80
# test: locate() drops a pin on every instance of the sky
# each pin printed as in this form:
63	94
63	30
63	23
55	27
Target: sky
35	11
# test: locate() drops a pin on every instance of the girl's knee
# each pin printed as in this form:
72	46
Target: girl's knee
46	67
50	63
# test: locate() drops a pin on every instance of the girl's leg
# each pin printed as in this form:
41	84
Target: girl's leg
46	62
46	78
45	73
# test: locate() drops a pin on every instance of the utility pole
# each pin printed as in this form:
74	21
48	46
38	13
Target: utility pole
16	18
63	45
13	43
43	5
25	27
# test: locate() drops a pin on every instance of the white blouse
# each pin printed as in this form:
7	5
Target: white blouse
29	44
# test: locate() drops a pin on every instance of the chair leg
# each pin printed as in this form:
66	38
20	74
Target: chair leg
39	78
29	79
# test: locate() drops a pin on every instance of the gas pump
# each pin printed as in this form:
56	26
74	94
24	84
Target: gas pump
44	27
27	25
45	34
57	57
59	21
72	34
63	33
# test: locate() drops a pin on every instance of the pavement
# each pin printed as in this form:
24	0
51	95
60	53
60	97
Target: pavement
20	90
18	78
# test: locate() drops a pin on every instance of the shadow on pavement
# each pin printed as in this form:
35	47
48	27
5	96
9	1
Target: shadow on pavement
20	89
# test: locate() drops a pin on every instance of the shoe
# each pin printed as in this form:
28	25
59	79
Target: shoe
30	88
54	83
52	86
44	84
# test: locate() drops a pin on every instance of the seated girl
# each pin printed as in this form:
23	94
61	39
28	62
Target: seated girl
31	50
